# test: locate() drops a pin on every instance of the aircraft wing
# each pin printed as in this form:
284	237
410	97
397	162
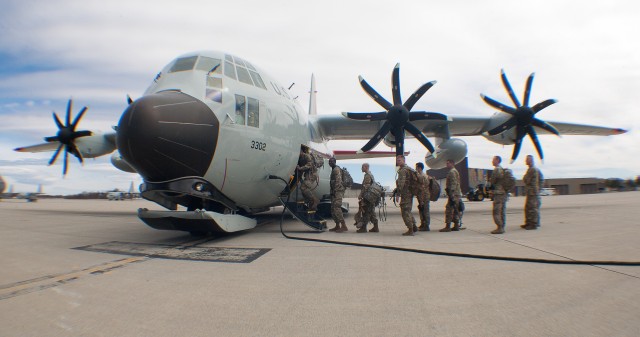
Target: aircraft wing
338	127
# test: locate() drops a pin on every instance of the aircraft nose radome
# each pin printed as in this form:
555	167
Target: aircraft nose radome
168	135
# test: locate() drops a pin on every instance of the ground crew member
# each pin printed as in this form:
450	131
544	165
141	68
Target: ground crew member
367	208
404	194
531	181
499	196
424	197
309	175
452	210
337	193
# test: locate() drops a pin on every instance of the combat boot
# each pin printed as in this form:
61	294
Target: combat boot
530	227
456	227
335	229
499	230
374	229
447	228
409	231
362	228
342	228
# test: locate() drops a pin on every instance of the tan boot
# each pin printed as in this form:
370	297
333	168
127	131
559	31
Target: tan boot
342	228
499	230
409	232
362	228
374	229
447	228
334	229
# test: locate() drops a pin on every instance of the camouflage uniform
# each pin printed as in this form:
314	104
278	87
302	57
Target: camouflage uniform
310	179
453	190
337	193
367	208
406	198
531	181
499	198
424	197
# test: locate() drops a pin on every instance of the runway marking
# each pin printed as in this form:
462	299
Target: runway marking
183	252
50	281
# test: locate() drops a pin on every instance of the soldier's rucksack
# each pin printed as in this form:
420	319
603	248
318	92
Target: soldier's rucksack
318	161
434	189
509	181
374	193
413	181
347	181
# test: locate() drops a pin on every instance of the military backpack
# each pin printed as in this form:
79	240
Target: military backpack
374	193
434	189
509	181
413	181
347	180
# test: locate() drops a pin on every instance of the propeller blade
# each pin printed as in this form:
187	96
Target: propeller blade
518	144
51	139
66	161
129	100
374	94
507	86
399	136
511	122
395	85
83	133
543	105
418	94
57	120
544	125
419	136
55	155
367	116
498	105
534	139
74	151
77	119
424	115
69	108
527	89
375	140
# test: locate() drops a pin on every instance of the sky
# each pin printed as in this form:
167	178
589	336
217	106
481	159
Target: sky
585	54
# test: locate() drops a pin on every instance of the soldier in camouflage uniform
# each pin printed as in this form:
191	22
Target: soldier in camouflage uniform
499	196
404	194
367	209
424	197
452	211
307	168
337	193
531	181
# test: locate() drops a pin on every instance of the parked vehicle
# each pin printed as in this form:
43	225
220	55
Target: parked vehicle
479	193
547	191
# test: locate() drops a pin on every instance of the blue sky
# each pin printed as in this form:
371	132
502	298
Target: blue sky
585	54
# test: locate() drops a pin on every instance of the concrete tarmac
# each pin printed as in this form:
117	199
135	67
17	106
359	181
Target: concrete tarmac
91	268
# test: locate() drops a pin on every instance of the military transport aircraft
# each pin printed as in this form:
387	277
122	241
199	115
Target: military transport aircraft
221	137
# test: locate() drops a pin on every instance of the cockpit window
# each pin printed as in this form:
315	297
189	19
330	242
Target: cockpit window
183	64
208	64
257	79
246	73
230	70
243	75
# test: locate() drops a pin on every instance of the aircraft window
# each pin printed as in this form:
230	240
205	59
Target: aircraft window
228	58
253	112
241	107
243	75
208	63
239	61
183	64
215	82
214	95
229	70
257	79
250	66
275	87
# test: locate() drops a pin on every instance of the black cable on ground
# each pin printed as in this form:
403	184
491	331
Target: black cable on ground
472	256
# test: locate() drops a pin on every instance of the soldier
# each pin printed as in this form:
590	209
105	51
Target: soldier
367	208
452	211
307	168
424	197
404	194
499	195
531	181
337	193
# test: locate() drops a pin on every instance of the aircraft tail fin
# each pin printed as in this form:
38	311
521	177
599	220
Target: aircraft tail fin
313	110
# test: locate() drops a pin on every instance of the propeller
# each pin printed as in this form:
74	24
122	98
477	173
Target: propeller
66	136
397	116
523	117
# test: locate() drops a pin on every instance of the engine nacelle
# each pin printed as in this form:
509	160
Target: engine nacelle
120	163
389	140
453	148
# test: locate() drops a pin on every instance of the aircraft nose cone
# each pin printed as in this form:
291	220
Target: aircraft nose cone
168	135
